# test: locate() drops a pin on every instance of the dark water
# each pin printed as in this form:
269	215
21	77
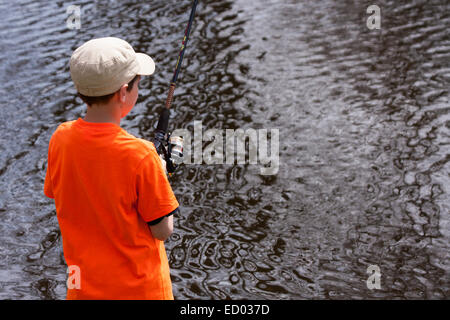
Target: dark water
364	125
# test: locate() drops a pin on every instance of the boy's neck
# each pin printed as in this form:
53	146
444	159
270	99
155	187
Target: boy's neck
100	114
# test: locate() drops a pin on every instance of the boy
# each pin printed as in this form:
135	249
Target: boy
113	201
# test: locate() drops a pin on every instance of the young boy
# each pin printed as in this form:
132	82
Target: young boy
113	201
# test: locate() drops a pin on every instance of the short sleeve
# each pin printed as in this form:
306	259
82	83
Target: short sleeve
155	197
48	190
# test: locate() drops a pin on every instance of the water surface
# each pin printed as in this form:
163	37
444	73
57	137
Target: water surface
364	143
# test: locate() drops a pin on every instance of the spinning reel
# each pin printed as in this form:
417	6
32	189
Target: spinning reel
171	148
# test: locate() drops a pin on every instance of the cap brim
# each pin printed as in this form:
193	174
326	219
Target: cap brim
146	64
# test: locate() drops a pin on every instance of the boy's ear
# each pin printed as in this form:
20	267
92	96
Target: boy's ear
122	93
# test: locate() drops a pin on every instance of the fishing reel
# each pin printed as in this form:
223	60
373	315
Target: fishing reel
171	148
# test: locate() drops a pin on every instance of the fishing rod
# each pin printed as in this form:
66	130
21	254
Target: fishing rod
169	147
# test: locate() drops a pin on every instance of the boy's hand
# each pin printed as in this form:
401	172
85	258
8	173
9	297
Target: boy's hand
163	162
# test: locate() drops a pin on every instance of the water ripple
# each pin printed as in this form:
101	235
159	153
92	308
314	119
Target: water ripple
364	125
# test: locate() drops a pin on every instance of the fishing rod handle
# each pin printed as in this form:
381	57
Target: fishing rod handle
170	96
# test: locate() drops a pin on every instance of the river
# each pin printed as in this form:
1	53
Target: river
364	133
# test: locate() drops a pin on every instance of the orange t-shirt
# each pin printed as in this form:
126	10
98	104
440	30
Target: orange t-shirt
107	184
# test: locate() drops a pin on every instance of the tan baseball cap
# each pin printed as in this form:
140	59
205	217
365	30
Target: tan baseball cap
101	66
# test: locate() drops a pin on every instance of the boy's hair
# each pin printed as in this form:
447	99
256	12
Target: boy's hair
105	99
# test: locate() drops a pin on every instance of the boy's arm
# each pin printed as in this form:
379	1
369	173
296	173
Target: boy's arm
156	202
163	229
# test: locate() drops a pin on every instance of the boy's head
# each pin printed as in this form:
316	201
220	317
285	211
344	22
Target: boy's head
107	68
